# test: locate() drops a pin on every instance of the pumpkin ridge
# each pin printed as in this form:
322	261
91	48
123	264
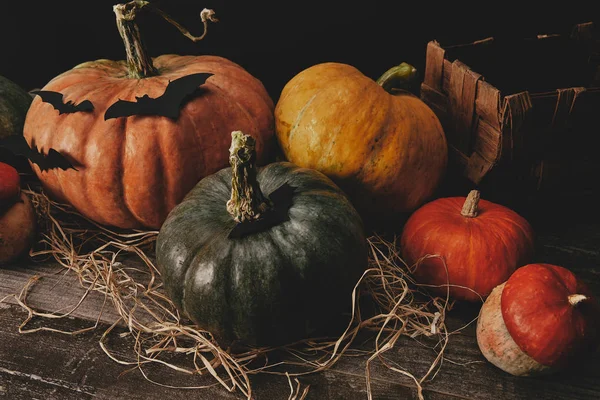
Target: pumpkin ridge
343	132
161	177
382	134
60	178
505	243
123	158
121	173
474	231
166	235
244	110
85	138
262	142
200	157
193	266
298	119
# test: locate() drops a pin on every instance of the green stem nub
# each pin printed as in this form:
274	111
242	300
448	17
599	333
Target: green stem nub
401	77
247	202
138	62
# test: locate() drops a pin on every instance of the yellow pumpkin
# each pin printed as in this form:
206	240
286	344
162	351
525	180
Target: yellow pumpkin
385	148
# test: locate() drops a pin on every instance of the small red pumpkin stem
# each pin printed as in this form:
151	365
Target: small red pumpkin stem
247	202
471	206
139	63
575	299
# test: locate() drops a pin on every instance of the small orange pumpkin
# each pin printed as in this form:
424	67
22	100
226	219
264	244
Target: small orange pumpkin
387	151
131	171
478	244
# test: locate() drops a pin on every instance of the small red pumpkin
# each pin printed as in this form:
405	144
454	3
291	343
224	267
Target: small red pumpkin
17	216
478	243
131	171
10	185
538	321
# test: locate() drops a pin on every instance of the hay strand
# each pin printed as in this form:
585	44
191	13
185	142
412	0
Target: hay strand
100	258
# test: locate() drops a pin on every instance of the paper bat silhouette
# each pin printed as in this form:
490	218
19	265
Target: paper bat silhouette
19	147
56	99
167	105
282	201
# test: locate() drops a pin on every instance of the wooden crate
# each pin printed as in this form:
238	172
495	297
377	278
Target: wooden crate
520	112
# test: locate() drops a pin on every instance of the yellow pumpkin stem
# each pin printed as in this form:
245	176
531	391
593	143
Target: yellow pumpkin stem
471	205
139	63
399	78
247	202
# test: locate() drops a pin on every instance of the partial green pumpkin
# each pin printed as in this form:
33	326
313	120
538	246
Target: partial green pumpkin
14	104
280	284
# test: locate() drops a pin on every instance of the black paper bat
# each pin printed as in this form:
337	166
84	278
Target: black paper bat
282	199
167	105
56	99
19	147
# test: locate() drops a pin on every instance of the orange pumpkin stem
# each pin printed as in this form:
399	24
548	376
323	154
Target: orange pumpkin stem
247	202
471	206
575	299
139	63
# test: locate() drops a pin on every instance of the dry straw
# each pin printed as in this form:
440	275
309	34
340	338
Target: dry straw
120	266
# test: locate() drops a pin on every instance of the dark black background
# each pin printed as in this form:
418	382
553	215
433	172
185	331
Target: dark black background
273	40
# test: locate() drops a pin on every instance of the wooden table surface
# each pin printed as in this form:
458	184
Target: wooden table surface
48	365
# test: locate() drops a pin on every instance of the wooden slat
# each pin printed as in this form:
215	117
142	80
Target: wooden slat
565	103
437	102
487	104
477	167
59	290
462	93
434	65
487	141
447	76
515	111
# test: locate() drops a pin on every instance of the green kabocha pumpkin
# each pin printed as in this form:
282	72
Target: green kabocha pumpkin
262	269
14	103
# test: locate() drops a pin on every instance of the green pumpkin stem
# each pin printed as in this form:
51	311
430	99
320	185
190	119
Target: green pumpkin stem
401	77
471	205
138	61
247	202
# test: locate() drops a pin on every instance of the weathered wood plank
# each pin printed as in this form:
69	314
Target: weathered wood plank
75	367
434	66
55	282
487	104
49	365
487	141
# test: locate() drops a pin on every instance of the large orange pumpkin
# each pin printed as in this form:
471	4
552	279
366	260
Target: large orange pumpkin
131	171
387	151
